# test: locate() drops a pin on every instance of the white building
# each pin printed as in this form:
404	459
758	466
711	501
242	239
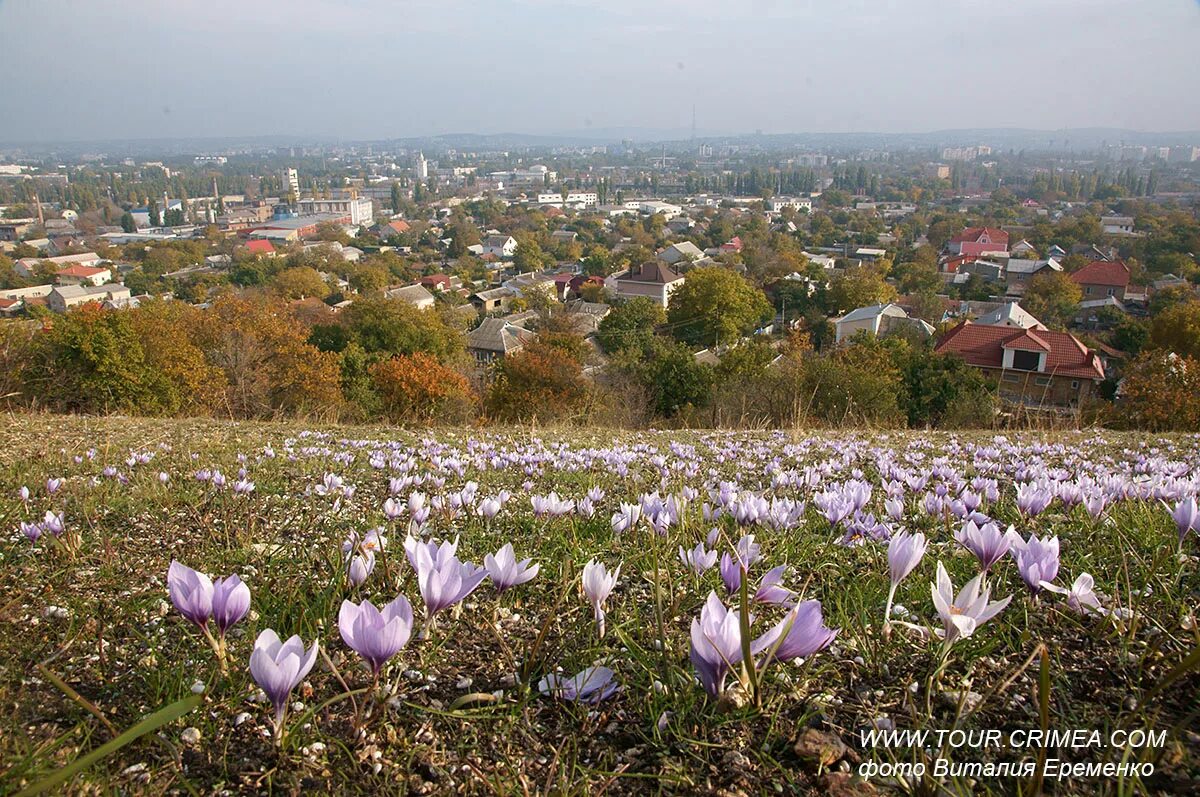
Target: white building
359	209
64	297
500	245
878	319
1010	314
584	199
780	203
421	169
291	182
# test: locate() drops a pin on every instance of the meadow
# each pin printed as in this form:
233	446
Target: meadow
726	613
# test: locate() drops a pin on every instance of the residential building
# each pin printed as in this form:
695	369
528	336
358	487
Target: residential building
416	295
83	275
979	241
1103	278
64	297
682	252
359	209
879	319
655	280
1019	271
496	338
781	203
500	245
393	227
492	301
28	266
1031	367
1117	225
290	179
579	199
1010	314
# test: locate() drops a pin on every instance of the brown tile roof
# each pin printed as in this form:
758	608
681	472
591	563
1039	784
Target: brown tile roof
1103	272
983	346
654	272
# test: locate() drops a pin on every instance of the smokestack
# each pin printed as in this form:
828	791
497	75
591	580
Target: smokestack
41	216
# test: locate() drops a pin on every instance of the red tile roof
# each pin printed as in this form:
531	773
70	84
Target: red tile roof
983	346
7	303
80	271
974	234
1028	341
1103	272
260	246
399	225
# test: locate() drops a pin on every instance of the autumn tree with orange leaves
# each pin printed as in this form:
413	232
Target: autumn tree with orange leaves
540	383
417	388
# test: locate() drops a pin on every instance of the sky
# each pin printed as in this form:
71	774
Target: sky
378	69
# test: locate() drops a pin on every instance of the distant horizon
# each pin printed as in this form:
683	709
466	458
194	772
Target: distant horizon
360	70
640	135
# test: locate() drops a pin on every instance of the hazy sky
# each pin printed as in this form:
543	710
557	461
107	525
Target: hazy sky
93	69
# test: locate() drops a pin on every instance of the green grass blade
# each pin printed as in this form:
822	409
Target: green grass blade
147	724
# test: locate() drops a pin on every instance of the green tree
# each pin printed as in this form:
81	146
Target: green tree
630	325
715	305
395	327
1053	299
1177	329
675	380
299	283
127	222
857	287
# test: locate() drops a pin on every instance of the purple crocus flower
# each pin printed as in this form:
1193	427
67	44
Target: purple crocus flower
31	530
597	584
963	614
904	553
373	634
771	591
52	486
798	635
444	581
698	559
361	565
53	523
1037	560
1032	499
230	602
731	573
23	494
191	592
1186	516
279	667
716	644
506	571
987	542
626	518
1081	597
589	686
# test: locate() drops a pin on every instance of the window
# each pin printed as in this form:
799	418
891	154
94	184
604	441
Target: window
1112	291
1012	378
1042	381
1074	384
1025	360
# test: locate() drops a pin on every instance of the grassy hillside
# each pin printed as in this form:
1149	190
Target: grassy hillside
92	644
